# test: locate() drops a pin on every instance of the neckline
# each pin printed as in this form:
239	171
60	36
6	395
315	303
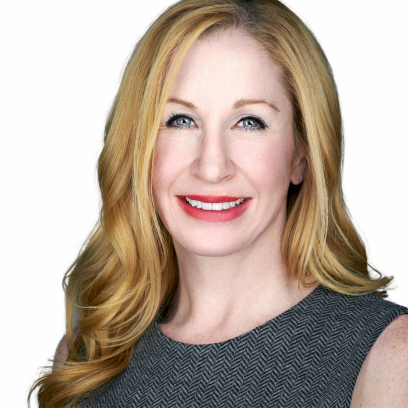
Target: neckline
275	320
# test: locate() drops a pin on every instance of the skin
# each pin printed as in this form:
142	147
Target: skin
232	275
383	379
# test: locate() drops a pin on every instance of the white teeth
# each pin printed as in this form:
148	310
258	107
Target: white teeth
215	206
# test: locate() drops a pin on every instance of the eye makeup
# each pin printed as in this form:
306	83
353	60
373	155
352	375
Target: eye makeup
175	116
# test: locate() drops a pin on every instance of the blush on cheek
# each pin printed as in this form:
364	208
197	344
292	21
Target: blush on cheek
271	167
164	175
272	177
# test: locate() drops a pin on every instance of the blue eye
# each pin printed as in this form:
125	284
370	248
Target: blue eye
180	121
254	124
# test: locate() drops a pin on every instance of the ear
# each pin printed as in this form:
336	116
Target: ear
298	169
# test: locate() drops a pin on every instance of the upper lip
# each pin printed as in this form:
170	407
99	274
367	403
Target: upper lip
212	199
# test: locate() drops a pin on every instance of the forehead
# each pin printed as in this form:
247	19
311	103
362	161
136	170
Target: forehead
228	65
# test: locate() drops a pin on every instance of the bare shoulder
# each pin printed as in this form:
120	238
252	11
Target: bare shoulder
383	378
61	353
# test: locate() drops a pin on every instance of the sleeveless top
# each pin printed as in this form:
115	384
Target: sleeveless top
308	356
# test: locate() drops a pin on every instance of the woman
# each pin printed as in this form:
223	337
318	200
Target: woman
225	270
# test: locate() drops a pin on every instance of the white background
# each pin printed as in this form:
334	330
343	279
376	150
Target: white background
61	64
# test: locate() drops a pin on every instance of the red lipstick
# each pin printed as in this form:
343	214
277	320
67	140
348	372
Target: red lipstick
212	199
212	215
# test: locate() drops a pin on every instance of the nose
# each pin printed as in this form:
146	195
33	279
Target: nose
213	163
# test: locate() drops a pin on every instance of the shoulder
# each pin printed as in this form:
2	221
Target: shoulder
383	378
61	353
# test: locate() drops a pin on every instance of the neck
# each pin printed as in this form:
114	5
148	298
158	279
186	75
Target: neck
221	297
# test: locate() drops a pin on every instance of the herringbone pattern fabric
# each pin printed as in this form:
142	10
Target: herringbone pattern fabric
309	356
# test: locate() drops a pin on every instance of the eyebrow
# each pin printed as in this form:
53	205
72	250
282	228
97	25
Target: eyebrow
236	105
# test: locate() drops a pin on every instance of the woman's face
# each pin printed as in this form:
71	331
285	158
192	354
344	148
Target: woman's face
231	137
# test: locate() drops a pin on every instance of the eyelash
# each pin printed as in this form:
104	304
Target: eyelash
176	116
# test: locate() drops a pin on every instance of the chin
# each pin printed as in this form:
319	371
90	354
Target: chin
211	249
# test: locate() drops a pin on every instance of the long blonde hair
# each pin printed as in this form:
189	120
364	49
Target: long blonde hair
127	269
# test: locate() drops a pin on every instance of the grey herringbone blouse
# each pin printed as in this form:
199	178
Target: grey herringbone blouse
308	356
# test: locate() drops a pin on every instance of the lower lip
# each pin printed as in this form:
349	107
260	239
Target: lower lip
213	216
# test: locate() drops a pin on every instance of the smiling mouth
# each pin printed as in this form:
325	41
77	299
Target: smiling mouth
220	206
214	208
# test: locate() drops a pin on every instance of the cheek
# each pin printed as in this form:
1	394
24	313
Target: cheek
166	166
268	166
